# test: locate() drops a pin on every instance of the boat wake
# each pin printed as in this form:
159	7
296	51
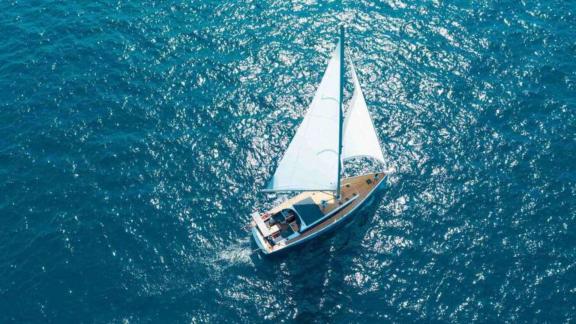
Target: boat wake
236	253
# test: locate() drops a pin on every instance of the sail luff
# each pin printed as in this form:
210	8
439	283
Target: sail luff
340	112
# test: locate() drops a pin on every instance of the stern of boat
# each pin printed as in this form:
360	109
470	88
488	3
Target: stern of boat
259	240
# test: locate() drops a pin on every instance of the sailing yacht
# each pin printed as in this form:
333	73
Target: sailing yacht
311	166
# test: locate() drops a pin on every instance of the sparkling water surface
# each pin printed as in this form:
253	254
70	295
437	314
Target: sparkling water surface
135	137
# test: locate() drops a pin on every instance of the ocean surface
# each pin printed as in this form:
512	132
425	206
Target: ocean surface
135	137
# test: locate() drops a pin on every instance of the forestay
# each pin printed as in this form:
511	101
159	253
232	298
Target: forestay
359	138
311	160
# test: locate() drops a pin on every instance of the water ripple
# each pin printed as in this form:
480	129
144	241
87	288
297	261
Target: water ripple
135	138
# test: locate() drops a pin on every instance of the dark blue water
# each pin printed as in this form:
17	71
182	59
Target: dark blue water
135	135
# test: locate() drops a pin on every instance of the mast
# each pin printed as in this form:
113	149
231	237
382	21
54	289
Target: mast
340	108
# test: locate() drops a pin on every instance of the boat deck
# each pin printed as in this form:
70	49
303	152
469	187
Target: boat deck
349	187
354	188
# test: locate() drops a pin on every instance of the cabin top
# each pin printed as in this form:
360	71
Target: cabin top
308	211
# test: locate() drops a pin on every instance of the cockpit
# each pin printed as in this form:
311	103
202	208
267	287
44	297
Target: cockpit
287	224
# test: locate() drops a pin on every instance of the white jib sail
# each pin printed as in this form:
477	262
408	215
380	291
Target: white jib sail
311	160
359	136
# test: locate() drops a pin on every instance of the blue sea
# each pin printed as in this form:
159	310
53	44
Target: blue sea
135	137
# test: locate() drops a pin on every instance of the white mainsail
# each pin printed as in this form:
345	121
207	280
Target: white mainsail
359	136
311	162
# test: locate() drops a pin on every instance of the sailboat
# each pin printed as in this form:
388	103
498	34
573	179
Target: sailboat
312	166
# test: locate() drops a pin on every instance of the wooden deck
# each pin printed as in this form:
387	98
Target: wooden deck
350	187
